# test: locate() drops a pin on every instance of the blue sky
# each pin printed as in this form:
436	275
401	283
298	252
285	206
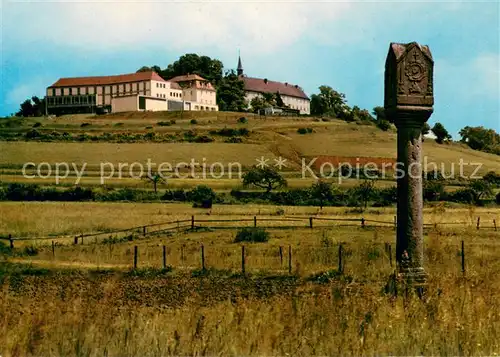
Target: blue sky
341	44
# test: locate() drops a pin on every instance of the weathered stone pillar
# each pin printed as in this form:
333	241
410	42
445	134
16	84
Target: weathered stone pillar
408	103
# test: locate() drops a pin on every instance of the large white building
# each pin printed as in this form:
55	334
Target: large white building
292	95
142	91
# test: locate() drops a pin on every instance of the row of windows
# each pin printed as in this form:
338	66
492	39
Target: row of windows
160	85
172	94
203	108
115	89
71	100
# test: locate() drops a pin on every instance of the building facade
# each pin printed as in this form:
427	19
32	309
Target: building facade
198	91
292	95
142	91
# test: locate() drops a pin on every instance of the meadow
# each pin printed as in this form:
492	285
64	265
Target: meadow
87	299
321	290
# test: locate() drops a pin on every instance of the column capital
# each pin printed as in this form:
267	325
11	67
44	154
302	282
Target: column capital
409	116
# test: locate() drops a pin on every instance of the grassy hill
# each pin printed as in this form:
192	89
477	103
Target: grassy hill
164	137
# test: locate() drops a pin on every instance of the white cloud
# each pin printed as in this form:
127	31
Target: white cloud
262	26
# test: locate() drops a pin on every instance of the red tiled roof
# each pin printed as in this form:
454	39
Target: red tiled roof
174	85
106	80
265	86
187	77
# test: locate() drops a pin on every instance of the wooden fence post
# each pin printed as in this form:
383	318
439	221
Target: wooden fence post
495	225
390	254
395	222
203	257
81	238
289	259
255	221
192	222
144	231
340	268
11	241
75	241
478	221
463	258
164	257
310	222
362	223
53	249
135	257
281	255
243	259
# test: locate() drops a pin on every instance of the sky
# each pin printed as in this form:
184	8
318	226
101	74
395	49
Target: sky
309	43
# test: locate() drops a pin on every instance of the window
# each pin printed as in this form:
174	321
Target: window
53	91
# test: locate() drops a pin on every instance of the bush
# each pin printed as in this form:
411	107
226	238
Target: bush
164	123
37	124
83	125
252	234
33	134
201	194
304	131
242	120
465	195
172	121
497	198
30	250
383	125
194	121
234	140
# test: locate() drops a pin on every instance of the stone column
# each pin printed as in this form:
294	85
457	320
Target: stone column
409	122
408	104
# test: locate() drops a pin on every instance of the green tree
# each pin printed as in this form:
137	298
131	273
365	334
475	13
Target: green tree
481	189
328	102
480	138
441	133
365	192
379	113
154	68
266	178
155	178
191	63
279	100
231	93
322	191
34	107
203	195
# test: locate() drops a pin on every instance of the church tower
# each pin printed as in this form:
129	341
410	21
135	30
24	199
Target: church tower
239	70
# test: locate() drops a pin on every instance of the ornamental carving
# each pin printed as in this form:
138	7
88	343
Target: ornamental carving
408	76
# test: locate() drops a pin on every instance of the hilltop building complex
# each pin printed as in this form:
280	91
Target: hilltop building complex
142	91
292	95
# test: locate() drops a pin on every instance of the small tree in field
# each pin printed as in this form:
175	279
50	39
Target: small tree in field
365	191
481	189
202	196
266	178
441	133
322	191
155	178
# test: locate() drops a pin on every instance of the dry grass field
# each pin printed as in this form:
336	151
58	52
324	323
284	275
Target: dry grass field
58	298
87	300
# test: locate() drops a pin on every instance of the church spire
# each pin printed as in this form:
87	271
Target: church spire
240	66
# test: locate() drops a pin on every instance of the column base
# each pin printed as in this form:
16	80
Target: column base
406	280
